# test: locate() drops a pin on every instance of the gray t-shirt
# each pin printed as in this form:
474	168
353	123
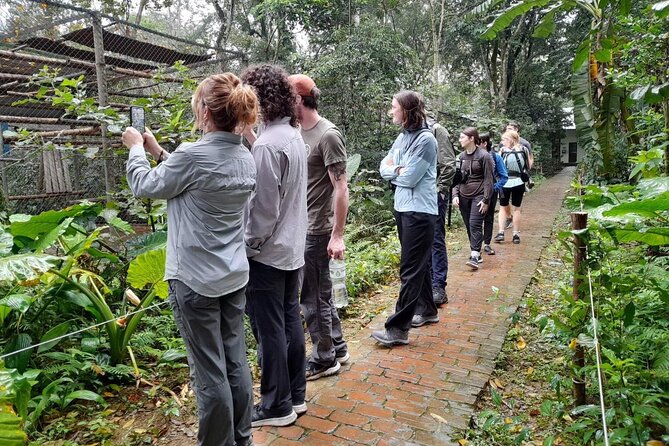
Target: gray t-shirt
326	146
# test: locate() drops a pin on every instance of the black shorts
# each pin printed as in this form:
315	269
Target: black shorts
514	193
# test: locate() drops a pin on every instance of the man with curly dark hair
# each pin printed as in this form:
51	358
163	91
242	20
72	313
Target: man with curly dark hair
275	237
327	205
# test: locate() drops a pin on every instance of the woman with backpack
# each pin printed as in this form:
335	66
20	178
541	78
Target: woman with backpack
517	161
474	191
500	178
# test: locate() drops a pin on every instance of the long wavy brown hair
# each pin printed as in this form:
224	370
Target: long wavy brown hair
276	95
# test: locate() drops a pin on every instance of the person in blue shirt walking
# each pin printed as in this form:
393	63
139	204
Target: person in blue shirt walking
501	176
411	167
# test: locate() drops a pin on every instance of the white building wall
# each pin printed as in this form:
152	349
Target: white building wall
570	137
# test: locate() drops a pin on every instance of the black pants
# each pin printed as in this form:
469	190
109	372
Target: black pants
416	232
273	306
473	221
489	219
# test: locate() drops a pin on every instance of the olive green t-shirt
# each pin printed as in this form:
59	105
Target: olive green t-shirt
325	146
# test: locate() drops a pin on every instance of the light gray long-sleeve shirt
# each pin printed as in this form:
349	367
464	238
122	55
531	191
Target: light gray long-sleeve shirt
276	230
207	185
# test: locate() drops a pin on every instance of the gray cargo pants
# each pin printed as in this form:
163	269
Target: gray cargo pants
213	330
316	302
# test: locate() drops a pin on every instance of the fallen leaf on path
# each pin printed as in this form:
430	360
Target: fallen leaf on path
439	418
462	442
654	443
520	343
572	344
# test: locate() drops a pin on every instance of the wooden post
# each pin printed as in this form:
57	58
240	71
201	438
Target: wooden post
103	97
579	220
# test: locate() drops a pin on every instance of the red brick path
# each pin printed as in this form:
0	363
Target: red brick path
418	394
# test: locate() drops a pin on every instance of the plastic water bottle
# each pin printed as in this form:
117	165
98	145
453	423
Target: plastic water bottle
338	277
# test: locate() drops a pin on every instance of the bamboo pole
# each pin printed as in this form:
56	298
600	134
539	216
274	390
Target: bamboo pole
579	220
46	121
68	61
86	131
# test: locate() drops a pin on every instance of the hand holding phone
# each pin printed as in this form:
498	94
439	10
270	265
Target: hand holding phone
137	120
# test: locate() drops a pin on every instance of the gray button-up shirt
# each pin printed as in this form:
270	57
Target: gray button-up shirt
277	225
207	185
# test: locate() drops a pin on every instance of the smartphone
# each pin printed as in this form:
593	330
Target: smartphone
137	119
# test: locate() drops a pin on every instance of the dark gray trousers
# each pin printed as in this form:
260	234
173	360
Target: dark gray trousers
473	221
274	309
316	302
213	331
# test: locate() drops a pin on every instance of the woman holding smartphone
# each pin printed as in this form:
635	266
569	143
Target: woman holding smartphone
207	185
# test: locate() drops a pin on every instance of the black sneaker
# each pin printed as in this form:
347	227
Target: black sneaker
499	237
473	263
516	239
315	371
263	417
342	358
391	336
418	320
488	250
439	296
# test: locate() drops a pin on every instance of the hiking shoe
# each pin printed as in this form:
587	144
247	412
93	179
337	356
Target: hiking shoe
315	371
418	320
488	250
265	417
509	223
391	336
479	259
342	358
439	296
499	237
473	263
516	239
301	408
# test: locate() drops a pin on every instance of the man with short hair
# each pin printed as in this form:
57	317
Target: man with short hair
327	206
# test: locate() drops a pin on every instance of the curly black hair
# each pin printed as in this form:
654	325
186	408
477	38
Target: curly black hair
276	95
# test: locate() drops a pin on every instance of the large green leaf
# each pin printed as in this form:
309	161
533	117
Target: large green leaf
149	269
45	240
83	395
24	266
653	187
18	361
11	433
352	165
661	8
33	226
506	17
55	332
483	7
18	302
147	242
112	219
6	242
647	208
649	236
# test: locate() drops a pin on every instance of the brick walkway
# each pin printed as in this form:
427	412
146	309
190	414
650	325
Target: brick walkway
420	393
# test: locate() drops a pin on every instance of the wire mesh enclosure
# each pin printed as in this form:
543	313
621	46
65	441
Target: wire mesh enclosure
68	76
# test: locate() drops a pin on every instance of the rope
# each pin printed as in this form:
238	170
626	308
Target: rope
600	384
67	335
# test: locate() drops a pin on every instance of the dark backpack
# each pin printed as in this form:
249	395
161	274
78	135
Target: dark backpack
461	176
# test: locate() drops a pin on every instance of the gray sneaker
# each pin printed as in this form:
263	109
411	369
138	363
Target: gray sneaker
439	296
418	320
509	223
391	336
473	263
